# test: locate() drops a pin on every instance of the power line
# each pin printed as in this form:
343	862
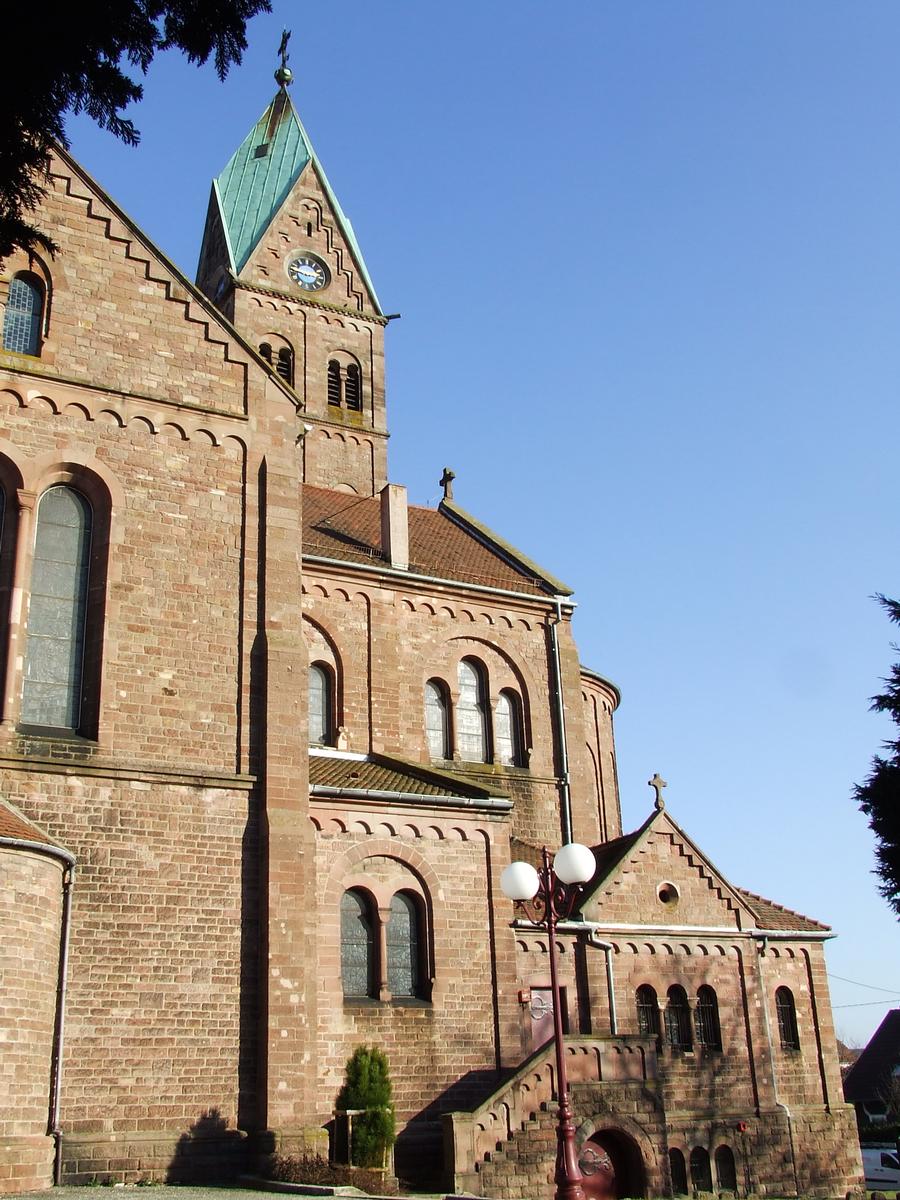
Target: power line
870	986
865	1003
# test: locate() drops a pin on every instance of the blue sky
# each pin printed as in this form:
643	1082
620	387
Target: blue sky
647	257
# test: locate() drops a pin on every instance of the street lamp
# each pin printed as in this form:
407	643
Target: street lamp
546	896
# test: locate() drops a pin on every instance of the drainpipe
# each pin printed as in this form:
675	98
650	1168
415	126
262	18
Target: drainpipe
764	941
59	1025
591	928
564	788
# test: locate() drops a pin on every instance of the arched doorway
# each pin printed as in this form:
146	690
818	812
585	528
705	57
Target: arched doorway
612	1166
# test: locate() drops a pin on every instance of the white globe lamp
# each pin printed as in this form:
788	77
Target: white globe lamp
519	881
574	863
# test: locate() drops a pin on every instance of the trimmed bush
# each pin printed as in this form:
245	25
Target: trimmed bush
367	1086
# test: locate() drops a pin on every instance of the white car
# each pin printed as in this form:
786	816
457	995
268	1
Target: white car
882	1168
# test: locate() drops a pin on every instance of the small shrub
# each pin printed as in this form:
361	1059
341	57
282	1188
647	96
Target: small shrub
367	1086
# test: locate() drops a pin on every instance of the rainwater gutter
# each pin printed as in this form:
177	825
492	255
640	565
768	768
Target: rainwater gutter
491	803
565	793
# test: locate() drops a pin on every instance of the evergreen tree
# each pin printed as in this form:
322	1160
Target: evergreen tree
367	1085
70	61
879	796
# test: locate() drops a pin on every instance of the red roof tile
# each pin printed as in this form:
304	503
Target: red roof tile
775	916
14	825
346	527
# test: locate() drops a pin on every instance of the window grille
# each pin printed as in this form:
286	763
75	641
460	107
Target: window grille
57	614
471	713
352	389
701	1175
787	1019
706	1019
678	1171
334	383
22	319
678	1020
437	719
357	946
726	1173
403	947
647	1011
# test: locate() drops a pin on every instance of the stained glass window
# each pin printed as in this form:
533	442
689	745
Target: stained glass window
471	713
22	320
320	705
403	947
357	946
54	649
508	729
437	722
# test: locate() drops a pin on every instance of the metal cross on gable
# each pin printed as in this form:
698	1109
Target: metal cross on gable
446	482
658	783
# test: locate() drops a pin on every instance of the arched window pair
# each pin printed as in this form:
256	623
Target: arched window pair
24	314
701	1172
679	1033
322	722
383	960
475	735
282	360
344	386
786	1011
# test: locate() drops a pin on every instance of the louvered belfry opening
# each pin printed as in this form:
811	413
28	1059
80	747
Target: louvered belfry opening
285	364
334	383
352	389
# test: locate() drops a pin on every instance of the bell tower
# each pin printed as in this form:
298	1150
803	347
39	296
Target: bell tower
281	262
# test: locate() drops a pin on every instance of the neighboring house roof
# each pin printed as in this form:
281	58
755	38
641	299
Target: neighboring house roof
16	827
342	526
872	1071
334	772
259	176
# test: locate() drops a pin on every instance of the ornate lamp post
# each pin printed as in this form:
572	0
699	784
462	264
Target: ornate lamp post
547	896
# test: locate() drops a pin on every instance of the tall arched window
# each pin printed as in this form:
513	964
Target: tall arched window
726	1174
353	389
647	1011
508	730
334	383
357	945
24	309
321	705
787	1019
706	1019
403	971
701	1175
471	712
57	614
678	1171
678	1020
437	719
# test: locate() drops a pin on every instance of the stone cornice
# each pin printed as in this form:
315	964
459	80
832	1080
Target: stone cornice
306	302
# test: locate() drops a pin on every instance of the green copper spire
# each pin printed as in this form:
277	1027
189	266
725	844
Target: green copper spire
262	171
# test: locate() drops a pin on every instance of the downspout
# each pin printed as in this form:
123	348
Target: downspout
787	1112
607	947
565	795
59	1025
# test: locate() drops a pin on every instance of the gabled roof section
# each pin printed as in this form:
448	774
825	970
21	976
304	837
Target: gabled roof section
502	548
334	772
776	918
17	829
259	176
872	1071
337	525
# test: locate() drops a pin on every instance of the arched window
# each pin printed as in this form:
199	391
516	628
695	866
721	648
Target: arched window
403	970
701	1175
647	1011
437	719
678	1171
787	1019
357	945
353	389
706	1019
57	614
471	712
285	364
334	383
726	1174
678	1020
321	705
24	309
508	730
265	351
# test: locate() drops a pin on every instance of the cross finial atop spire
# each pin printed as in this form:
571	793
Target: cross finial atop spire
658	783
446	482
284	75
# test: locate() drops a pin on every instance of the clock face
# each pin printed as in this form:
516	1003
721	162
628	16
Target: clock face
307	272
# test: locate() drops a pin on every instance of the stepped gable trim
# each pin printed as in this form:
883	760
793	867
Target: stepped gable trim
19	833
503	549
194	296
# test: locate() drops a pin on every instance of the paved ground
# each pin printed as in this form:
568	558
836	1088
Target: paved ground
174	1192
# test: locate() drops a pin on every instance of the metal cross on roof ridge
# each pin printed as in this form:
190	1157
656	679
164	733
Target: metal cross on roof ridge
658	783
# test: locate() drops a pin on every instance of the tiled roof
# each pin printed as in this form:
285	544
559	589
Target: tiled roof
775	916
867	1077
381	774
338	525
14	825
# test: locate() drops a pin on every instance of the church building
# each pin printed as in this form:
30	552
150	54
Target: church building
269	736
